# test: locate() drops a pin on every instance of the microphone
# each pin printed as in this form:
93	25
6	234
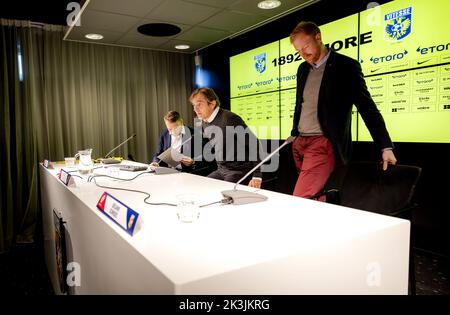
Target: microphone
241	197
107	160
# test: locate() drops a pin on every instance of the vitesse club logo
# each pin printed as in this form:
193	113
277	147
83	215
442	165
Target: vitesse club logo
260	62
397	24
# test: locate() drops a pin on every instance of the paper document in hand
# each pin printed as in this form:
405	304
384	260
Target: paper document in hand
171	157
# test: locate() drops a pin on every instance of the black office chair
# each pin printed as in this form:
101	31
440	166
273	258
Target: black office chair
365	186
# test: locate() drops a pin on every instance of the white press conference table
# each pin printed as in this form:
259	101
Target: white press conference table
285	245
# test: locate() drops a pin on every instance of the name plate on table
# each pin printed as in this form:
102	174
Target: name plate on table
48	164
116	210
65	177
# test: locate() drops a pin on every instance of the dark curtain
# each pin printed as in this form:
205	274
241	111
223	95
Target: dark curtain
18	170
75	96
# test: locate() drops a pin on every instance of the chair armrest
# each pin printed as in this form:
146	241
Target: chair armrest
404	213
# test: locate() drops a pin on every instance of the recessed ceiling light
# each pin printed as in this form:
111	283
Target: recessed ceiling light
269	4
182	47
94	36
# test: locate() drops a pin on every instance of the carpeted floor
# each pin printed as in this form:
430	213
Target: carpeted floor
432	273
23	272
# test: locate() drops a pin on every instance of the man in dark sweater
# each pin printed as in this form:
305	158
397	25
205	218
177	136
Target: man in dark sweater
231	143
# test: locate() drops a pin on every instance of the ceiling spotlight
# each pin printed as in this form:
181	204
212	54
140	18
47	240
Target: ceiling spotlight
269	4
182	47
94	36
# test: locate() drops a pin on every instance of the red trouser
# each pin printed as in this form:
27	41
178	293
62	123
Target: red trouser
314	159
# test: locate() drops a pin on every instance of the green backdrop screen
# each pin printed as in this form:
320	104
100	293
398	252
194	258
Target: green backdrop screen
404	50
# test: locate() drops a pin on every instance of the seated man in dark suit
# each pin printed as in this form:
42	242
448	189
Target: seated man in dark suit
178	137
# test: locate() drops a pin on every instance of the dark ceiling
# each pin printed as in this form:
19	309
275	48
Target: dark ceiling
201	23
45	11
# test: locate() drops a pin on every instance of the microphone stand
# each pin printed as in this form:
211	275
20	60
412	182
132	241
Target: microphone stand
105	160
240	197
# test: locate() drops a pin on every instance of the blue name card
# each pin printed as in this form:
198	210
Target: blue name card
117	211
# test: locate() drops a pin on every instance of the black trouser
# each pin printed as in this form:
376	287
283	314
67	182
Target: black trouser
230	175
